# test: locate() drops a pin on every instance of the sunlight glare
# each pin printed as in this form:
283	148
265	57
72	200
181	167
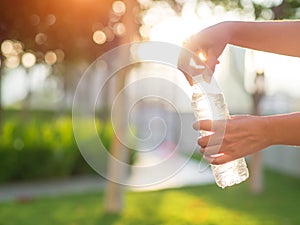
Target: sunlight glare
18	47
28	59
119	29
7	47
50	58
41	38
202	56
168	30
155	51
12	62
50	19
119	8
268	3
99	37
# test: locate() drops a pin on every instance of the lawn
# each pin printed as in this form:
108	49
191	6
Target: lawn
207	205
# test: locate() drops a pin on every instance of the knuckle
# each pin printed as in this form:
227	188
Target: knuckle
202	142
202	150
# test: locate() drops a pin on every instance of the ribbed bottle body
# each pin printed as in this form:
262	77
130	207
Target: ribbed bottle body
213	106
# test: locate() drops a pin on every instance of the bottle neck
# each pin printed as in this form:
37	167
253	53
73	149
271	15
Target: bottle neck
205	87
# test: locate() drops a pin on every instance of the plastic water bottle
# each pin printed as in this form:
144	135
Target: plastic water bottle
212	106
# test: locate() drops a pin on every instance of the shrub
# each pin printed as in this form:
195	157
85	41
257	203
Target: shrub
44	148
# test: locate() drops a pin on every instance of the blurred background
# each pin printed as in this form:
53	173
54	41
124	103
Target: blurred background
47	45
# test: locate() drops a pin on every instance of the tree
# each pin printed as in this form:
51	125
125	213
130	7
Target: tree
78	29
256	180
114	191
70	30
52	24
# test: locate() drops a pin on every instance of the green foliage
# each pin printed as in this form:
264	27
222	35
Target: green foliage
36	148
200	205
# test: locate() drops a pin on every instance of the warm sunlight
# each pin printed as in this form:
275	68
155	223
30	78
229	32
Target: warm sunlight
280	76
194	17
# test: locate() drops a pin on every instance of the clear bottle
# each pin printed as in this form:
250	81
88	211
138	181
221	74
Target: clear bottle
210	104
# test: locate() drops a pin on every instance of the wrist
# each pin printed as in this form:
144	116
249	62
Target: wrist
230	27
271	133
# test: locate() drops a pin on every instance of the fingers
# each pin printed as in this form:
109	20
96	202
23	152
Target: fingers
191	65
218	160
211	62
211	151
203	125
210	140
204	52
210	125
194	60
212	143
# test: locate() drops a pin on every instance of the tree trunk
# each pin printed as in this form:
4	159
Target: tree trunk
114	202
1	73
256	178
256	165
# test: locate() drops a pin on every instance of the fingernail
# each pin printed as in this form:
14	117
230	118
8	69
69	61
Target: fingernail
195	125
208	159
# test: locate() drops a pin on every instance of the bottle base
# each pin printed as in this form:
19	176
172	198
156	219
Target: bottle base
230	173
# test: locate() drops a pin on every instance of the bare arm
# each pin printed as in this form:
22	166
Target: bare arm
281	37
277	37
286	129
245	135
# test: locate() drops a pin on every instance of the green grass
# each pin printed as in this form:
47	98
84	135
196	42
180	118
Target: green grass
203	205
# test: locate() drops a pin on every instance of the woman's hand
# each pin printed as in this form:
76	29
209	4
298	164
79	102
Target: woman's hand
233	138
270	36
210	42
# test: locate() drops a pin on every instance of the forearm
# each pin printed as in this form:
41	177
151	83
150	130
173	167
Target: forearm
284	129
277	37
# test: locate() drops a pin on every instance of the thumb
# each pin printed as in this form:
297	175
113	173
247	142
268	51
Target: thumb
203	125
212	61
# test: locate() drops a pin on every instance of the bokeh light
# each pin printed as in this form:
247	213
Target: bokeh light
18	47
50	19
268	3
99	37
119	29
50	58
7	47
11	48
41	38
35	20
28	59
12	62
119	7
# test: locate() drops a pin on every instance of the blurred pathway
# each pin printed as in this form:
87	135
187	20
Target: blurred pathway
30	190
149	173
175	171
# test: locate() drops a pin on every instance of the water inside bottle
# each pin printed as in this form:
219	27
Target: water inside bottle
213	106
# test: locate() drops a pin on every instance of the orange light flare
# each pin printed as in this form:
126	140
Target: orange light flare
82	10
202	56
